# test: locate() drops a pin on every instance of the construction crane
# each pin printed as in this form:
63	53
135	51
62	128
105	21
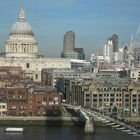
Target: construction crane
134	39
132	44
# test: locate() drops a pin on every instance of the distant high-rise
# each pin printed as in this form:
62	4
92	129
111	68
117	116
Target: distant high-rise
114	38
111	48
69	50
69	41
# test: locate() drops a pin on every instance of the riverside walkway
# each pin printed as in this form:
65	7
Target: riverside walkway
29	118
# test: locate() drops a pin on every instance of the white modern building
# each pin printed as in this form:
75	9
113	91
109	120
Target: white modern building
121	54
21	49
111	48
108	51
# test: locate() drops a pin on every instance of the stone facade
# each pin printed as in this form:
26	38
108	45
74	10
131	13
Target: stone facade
33	66
117	97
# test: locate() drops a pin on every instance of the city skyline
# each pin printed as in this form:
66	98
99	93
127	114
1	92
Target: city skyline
92	21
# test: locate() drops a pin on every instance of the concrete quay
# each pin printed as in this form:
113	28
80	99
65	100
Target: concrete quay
28	120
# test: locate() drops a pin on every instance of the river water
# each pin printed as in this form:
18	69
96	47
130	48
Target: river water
66	133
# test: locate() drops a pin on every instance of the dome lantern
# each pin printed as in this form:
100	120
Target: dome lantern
21	15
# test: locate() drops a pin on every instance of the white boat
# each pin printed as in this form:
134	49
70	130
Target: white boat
13	129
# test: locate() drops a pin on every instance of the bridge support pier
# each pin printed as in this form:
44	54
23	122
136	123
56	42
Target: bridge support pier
89	127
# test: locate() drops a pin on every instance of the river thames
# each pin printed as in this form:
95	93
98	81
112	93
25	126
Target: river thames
66	133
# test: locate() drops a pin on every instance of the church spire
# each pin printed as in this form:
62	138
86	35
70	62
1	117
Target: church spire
22	15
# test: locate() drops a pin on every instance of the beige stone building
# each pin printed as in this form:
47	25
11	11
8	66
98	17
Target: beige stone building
135	74
112	95
121	97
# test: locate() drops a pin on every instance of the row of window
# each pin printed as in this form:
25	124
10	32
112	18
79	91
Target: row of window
3	106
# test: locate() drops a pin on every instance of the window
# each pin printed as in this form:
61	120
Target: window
112	95
27	65
126	95
132	74
94	100
94	95
36	76
100	100
3	106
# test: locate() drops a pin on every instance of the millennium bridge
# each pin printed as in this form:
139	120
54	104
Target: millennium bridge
92	116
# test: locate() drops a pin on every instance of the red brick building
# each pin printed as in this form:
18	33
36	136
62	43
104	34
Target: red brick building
25	97
35	102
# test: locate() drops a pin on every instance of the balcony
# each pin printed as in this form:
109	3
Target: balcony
17	98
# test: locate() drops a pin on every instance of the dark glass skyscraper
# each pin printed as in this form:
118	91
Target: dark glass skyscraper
114	38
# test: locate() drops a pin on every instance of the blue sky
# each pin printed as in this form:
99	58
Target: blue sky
93	21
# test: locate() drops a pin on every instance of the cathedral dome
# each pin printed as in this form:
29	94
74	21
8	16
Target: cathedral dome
21	42
21	27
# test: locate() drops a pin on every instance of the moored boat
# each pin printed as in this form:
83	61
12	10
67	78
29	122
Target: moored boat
13	129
